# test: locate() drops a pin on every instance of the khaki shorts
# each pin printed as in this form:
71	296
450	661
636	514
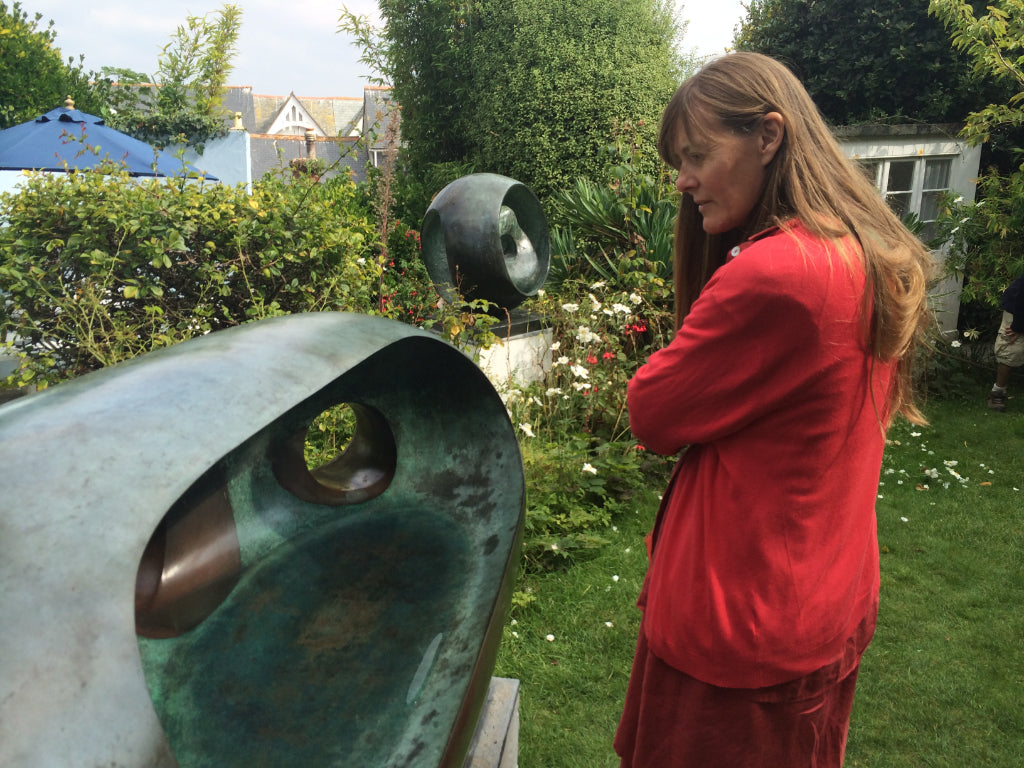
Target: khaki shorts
1009	353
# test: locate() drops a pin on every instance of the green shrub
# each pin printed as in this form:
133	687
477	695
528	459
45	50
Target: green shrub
985	241
594	225
98	267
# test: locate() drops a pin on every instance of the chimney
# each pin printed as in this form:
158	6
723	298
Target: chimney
311	144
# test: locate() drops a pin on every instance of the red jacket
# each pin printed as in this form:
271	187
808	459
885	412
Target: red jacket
767	557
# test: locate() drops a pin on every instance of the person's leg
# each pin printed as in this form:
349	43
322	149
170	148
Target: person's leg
1002	375
1008	353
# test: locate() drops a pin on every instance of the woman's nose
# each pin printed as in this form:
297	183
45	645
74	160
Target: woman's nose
685	181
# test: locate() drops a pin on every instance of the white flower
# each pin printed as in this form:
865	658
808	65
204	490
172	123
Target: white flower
554	547
635	298
609	624
954	344
555	346
527	429
585	335
594	303
580	386
541	294
570	307
563	360
360	261
622	309
553	391
588	468
615	577
598	284
579	371
608	312
905	520
550	638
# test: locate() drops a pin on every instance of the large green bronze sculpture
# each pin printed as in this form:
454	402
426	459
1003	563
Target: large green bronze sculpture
178	587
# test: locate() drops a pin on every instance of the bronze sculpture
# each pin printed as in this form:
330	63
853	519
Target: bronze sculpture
338	615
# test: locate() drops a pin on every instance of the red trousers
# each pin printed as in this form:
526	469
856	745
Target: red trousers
672	720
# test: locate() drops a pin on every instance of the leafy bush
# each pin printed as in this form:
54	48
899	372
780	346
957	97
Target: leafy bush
985	237
576	489
98	267
633	213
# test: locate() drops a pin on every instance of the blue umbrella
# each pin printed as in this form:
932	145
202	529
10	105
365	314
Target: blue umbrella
65	139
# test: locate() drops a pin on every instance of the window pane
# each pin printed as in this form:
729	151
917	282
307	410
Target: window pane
899	202
936	174
871	169
930	205
901	176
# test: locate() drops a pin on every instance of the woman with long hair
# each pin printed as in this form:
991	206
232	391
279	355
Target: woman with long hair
800	297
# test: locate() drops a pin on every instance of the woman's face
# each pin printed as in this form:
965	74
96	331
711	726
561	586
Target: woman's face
724	172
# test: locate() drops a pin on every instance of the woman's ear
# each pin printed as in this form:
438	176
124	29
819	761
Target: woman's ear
770	136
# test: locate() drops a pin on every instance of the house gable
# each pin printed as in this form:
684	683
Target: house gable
293	119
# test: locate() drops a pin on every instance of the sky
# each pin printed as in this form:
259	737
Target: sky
283	46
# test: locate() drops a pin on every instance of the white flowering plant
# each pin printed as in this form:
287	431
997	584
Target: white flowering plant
581	459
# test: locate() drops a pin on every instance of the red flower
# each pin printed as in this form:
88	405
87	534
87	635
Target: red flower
608	355
592	359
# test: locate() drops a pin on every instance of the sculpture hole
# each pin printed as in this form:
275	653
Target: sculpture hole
520	255
347	455
329	435
191	563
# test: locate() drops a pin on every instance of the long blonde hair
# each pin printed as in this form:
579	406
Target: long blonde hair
808	179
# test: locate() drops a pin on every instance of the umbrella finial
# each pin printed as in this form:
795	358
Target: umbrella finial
69	103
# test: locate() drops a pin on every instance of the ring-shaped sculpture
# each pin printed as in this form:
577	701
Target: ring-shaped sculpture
344	615
485	236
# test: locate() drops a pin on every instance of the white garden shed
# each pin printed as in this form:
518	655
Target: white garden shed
914	166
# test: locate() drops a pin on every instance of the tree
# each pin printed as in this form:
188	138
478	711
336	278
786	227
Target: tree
994	42
181	103
556	82
868	61
533	89
35	76
985	236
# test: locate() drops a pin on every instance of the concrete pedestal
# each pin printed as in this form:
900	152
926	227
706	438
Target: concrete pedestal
496	741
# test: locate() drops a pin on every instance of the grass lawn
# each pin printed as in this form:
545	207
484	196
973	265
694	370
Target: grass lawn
941	685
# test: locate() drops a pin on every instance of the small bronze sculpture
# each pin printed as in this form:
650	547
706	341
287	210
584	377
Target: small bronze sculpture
485	237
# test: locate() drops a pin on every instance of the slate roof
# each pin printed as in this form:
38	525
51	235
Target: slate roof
337	122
